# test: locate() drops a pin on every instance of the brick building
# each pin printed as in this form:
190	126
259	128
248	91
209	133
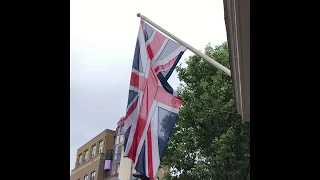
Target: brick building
94	158
102	158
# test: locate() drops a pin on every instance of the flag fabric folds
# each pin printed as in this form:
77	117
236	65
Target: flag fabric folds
153	105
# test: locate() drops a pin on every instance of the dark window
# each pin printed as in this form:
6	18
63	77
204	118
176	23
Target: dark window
93	174
120	149
109	154
86	177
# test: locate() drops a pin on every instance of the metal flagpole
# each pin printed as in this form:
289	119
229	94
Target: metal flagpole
205	57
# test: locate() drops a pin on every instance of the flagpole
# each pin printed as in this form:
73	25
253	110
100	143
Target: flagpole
205	57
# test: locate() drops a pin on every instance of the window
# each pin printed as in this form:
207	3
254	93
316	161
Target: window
100	146
116	149
93	174
120	149
113	169
122	130
116	159
121	138
93	152
86	177
118	167
117	140
80	159
109	154
85	155
118	131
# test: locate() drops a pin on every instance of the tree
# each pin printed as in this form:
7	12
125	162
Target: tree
209	140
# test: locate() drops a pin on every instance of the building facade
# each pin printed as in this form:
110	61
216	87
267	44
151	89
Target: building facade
102	158
122	167
117	151
94	158
125	170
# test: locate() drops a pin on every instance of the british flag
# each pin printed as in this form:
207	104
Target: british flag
153	105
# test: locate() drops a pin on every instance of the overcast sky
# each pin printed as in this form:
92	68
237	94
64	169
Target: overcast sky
102	40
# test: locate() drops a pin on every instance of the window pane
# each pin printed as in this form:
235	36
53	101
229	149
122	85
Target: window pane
118	167
113	170
109	154
122	129
117	139
118	158
93	152
80	159
85	155
116	149
119	149
100	146
118	130
121	138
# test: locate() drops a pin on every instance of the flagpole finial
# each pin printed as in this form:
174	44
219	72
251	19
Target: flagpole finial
138	15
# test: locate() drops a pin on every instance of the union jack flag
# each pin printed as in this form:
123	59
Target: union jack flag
153	105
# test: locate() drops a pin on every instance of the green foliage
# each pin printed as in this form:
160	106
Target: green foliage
209	141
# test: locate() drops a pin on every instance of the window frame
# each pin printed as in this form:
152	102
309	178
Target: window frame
86	177
100	148
93	151
118	146
80	159
92	173
117	156
86	154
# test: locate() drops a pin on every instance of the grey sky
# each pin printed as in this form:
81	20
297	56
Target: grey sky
102	40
